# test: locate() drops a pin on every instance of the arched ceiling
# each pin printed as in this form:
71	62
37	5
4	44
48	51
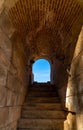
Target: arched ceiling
32	15
48	26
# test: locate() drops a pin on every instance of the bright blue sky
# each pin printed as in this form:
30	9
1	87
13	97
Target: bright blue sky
41	70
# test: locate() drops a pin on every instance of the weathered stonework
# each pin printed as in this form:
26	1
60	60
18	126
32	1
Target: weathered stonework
41	29
74	96
11	82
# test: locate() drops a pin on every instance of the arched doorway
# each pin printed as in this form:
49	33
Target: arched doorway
41	71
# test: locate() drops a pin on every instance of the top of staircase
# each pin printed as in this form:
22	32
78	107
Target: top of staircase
42	84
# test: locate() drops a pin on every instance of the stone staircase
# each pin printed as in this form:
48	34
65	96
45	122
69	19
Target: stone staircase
42	109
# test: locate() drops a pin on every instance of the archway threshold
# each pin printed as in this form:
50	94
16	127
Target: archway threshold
42	83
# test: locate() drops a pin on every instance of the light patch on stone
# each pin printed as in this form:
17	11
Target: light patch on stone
81	86
6	25
49	16
72	103
80	2
1	5
9	4
79	45
79	121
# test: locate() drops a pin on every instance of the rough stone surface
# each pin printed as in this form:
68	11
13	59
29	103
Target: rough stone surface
74	95
4	116
70	123
79	121
41	29
3	96
11	82
42	115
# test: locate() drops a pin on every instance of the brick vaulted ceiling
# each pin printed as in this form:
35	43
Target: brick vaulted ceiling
50	25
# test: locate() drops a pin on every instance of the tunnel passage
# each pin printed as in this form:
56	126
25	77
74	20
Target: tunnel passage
41	28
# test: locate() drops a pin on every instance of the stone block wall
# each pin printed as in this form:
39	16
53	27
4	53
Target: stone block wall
13	80
70	87
60	79
74	95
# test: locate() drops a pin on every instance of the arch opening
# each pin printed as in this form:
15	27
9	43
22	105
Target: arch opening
41	70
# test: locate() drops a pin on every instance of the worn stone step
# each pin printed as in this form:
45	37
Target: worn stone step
35	129
38	129
42	88
42	106
42	100
42	85
38	114
42	94
52	124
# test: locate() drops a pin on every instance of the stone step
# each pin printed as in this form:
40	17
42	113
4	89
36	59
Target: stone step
42	88
47	124
42	85
38	129
42	110
42	94
42	106
38	114
42	100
